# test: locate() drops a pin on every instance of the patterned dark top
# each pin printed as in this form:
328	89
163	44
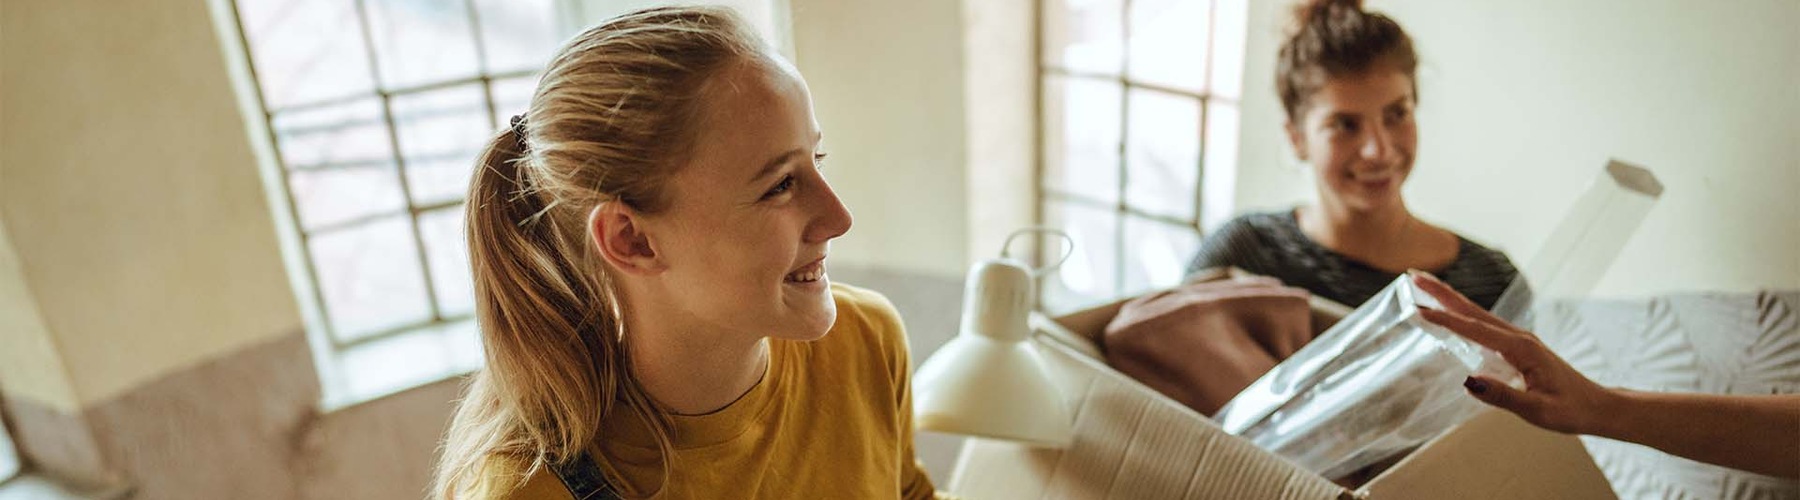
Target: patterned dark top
1271	244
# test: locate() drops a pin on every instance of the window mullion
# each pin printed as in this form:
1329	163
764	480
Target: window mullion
287	191
393	136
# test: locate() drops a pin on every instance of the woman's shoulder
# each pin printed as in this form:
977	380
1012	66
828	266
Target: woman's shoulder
863	306
1258	223
867	321
1471	254
1246	241
506	476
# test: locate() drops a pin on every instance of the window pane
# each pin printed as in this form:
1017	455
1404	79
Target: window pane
517	35
1090	275
511	97
448	253
1168	43
1081	137
1228	48
392	364
371	278
305	50
1163	153
9	454
1156	254
1084	35
335	195
355	132
421	41
441	132
1221	163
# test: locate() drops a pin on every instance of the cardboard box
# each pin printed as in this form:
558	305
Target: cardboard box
1134	443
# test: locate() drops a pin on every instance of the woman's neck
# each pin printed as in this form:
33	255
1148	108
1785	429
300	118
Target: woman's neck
690	369
1357	233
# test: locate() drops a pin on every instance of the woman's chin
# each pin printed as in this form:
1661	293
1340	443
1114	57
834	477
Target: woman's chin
810	316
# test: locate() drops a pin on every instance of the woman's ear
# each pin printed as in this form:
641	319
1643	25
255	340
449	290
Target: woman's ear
618	232
1297	139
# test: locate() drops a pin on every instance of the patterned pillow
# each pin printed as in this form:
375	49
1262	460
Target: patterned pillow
1745	343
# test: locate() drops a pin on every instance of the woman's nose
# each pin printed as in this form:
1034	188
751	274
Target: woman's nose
1378	147
832	218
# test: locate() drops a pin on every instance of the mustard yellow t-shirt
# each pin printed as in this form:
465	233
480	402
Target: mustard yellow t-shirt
832	418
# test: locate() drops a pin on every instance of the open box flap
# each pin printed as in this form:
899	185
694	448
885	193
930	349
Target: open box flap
1495	455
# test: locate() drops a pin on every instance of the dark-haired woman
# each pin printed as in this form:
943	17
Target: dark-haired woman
1347	79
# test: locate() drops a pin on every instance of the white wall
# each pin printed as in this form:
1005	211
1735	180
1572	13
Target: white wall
999	108
1524	101
887	85
769	17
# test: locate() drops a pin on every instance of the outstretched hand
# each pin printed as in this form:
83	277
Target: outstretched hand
1556	396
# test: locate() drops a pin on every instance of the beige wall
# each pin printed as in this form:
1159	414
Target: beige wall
1524	101
886	79
999	109
131	194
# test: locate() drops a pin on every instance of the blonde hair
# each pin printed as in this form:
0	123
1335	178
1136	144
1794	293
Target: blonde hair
613	116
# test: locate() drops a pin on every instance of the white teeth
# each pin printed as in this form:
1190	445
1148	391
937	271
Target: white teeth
809	274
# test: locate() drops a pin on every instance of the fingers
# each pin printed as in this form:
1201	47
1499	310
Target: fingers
1494	393
1520	350
1451	299
1253	279
1246	282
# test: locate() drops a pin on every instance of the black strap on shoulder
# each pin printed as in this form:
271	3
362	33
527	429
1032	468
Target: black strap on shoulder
584	479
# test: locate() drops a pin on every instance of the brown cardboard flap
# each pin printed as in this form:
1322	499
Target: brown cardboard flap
1495	455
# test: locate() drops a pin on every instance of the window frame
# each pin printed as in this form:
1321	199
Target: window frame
413	210
12	464
1046	196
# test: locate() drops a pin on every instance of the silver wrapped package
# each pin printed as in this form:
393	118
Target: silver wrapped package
1380	382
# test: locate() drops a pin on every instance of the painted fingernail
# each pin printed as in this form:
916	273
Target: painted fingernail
1475	385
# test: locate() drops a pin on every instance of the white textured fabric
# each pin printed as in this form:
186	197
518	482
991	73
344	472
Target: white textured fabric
1709	343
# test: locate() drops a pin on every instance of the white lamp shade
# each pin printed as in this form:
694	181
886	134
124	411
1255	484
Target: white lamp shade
989	380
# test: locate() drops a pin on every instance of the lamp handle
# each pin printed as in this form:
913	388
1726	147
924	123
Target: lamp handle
1039	272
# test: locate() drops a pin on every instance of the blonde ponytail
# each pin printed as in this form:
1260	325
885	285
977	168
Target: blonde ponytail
611	118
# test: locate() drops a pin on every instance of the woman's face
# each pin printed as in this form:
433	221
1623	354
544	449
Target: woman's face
750	217
1358	133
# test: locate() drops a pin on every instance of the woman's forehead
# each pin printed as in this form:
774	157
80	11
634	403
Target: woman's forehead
1367	89
753	112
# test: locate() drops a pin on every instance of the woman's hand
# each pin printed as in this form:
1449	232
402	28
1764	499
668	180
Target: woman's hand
1556	397
1757	433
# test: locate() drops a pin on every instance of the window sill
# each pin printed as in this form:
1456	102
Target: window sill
384	367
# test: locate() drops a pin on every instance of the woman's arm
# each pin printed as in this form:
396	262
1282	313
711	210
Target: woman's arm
1759	434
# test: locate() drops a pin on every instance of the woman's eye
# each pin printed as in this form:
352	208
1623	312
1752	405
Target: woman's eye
787	182
1344	125
818	160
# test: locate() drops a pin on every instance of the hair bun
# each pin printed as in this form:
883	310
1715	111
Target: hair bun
1315	10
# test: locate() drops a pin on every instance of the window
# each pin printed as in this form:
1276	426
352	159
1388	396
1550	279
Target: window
1138	130
9	454
375	111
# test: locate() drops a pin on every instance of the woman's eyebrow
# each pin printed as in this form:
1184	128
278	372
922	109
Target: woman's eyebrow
775	164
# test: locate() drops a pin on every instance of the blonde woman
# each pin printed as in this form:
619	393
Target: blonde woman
649	244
